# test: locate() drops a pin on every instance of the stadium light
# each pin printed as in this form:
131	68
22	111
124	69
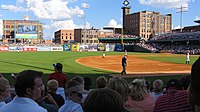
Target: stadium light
126	3
85	6
4	21
181	10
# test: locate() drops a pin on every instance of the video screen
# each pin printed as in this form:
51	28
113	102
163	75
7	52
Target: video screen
27	29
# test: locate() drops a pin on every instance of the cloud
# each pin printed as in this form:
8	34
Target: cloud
165	3
1	28
177	27
57	25
113	23
197	18
53	9
57	14
13	8
47	9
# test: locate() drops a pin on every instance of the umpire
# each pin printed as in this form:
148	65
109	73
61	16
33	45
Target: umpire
124	64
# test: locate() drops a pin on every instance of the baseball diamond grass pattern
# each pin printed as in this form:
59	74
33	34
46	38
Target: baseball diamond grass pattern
14	62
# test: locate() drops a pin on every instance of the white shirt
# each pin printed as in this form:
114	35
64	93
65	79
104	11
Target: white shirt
188	57
2	104
61	91
22	104
70	106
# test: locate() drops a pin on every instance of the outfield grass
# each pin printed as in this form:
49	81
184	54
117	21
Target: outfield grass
14	62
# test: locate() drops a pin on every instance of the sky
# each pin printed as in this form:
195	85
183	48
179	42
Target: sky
71	14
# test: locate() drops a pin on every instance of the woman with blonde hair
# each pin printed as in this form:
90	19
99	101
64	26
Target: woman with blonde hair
139	97
120	85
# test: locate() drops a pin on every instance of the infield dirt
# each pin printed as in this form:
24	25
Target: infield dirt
136	65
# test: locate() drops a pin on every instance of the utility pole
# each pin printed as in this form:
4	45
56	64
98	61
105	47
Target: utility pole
181	10
4	22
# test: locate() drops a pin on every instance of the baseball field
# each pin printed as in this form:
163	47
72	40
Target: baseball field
91	64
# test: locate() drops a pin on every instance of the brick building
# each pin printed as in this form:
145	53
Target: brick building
146	24
63	36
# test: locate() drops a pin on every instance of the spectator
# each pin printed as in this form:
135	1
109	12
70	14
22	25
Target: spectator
101	82
60	77
175	100
157	88
185	81
52	86
4	90
82	82
195	88
119	85
88	83
28	88
73	92
50	107
139	98
78	79
148	86
104	100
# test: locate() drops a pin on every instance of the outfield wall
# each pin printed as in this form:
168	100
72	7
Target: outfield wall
76	48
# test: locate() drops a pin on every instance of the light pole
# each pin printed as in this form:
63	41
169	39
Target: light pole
181	10
85	6
4	22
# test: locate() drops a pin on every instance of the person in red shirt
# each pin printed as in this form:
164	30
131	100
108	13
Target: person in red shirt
175	100
60	77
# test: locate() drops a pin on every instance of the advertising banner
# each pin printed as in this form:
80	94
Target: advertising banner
13	48
43	48
32	36
83	47
107	47
29	48
112	47
100	47
92	47
75	47
66	47
118	47
4	48
56	48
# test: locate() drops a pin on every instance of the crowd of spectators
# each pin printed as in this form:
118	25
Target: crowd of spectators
120	36
178	48
148	46
179	36
110	95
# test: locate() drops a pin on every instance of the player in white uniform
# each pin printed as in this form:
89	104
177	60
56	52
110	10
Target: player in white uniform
103	55
187	58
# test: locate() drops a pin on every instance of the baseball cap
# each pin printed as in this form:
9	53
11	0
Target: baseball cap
58	65
138	81
75	86
174	83
195	77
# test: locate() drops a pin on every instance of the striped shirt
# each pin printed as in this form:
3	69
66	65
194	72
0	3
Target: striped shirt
173	101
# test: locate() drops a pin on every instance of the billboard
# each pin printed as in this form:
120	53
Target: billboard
26	36
27	29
